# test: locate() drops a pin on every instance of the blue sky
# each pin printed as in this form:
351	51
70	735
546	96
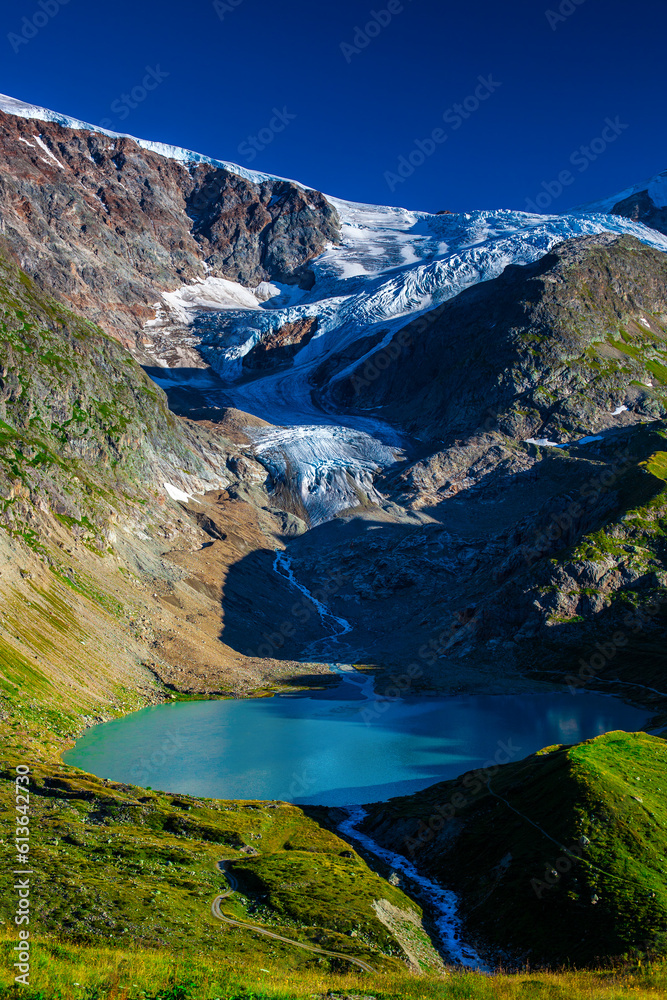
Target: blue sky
295	89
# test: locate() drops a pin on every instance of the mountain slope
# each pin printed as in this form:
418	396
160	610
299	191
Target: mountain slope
108	225
556	351
109	575
645	202
138	867
559	858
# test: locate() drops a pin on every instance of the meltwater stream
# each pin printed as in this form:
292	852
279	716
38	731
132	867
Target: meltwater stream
443	903
322	649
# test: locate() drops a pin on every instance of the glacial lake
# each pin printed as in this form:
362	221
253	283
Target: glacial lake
335	749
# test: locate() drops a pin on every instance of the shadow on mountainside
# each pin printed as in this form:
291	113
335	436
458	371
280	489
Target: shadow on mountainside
516	580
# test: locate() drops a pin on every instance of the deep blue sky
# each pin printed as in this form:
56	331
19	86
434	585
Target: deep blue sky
356	115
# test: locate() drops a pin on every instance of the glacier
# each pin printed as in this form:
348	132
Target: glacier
392	266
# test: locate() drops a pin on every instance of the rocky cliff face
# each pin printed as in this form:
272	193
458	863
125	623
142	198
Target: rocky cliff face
641	208
107	225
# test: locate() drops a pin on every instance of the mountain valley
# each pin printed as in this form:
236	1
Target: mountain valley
260	442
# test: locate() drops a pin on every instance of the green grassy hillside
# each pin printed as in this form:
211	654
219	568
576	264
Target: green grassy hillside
129	866
559	858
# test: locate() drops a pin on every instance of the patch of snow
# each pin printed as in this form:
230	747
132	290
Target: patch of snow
214	294
21	139
265	291
352	269
38	139
619	409
545	443
657	190
220	295
179	495
277	294
642	319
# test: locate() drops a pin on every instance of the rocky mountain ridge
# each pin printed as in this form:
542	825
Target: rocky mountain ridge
645	202
108	225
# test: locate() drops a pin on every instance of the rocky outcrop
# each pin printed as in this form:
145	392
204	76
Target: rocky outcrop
640	207
252	233
106	225
280	347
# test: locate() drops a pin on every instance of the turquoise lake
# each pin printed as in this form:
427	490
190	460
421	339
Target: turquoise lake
335	749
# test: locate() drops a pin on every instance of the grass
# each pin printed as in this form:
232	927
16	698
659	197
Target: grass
323	889
657	465
121	863
574	870
63	971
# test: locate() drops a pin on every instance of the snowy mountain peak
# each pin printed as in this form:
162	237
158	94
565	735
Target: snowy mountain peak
655	187
12	106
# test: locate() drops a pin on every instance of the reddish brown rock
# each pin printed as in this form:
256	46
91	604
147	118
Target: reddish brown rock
107	225
279	348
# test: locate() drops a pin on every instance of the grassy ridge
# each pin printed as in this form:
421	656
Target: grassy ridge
574	868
